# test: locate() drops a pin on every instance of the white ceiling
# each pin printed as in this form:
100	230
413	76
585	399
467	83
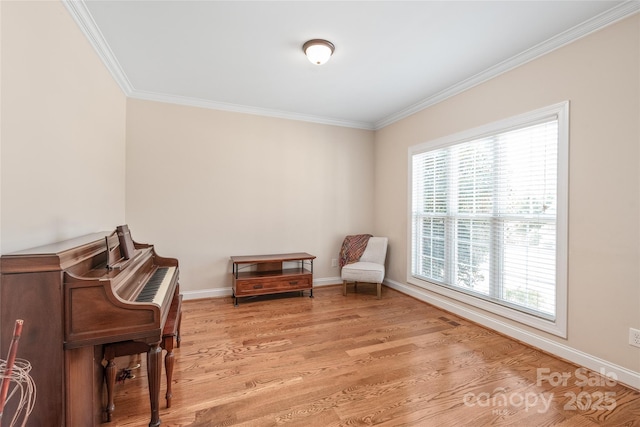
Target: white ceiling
392	58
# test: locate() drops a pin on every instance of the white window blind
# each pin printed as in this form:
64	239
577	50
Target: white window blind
485	216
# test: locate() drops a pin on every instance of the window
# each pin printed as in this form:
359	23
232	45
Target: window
489	214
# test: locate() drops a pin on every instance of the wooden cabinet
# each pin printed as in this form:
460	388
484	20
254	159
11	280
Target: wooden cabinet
269	274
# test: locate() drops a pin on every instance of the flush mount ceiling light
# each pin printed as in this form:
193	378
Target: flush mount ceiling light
318	51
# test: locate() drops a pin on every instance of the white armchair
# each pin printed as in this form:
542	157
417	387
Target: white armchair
369	268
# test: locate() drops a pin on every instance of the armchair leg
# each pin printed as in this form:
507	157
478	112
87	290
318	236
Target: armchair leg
379	289
344	288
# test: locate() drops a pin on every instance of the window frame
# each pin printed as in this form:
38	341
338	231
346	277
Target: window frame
558	325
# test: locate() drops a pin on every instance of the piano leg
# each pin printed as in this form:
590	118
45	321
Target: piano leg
110	376
170	332
168	367
178	337
154	358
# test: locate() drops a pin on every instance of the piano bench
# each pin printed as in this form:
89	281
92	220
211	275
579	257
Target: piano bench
170	332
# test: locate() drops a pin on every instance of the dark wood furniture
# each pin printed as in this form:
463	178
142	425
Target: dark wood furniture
170	334
269	274
76	297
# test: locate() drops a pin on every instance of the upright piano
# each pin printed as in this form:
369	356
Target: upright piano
77	298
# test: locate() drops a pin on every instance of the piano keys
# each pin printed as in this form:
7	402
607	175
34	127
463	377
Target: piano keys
76	297
157	285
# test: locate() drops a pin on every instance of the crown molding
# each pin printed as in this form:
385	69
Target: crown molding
83	18
87	25
609	17
235	108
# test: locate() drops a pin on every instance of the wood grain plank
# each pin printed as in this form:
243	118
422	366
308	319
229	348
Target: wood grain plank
358	361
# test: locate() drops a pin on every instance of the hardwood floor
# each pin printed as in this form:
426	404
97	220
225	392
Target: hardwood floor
358	361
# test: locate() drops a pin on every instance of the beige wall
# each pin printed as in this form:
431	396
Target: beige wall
204	185
63	130
600	76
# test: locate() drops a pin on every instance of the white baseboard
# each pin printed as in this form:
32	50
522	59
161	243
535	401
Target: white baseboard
623	375
207	293
227	292
327	281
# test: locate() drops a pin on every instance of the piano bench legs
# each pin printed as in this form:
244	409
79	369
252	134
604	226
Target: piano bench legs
169	359
128	348
110	376
170	332
111	351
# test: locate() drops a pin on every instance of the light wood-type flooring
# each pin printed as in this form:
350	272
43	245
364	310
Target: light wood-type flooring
358	361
